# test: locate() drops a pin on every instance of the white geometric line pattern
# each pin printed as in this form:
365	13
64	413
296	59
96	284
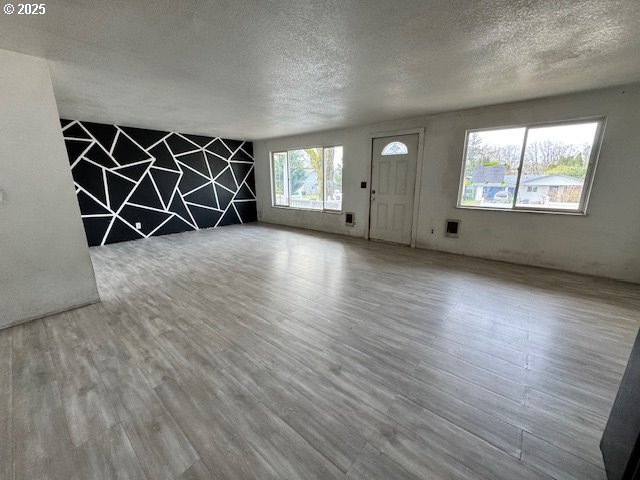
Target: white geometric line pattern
162	182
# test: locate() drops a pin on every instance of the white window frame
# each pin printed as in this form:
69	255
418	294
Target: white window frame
588	180
288	181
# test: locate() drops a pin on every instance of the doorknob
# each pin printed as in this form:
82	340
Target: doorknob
373	192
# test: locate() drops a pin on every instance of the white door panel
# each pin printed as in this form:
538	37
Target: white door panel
393	177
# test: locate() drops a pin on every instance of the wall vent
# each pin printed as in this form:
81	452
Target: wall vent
350	219
452	229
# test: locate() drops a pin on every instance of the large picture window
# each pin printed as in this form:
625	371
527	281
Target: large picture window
308	178
542	167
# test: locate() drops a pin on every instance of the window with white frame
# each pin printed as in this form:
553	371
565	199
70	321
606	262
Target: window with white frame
540	167
308	178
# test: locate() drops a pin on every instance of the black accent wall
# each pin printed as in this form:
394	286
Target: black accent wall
135	183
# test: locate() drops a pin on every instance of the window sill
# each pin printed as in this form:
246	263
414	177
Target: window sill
294	209
524	210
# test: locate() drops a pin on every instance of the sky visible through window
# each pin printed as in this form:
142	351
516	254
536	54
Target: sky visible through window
570	134
546	171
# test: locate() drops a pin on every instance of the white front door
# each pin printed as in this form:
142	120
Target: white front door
393	183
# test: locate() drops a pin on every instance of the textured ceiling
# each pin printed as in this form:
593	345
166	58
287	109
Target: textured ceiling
256	68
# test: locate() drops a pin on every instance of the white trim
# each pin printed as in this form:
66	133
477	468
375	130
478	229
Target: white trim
118	174
157	190
137	184
226	188
108	230
153	209
176	188
233	153
235	180
206	161
158	227
315	210
78	139
166	169
247	185
199	149
113	144
159	142
81	156
227	147
103	168
72	122
525	210
236	210
223	214
139	162
193	169
207	145
90	195
204	206
215	154
194	224
195	227
197	188
523	152
106	189
215	193
228	167
105	152
185	138
248	155
132	227
152	158
239	183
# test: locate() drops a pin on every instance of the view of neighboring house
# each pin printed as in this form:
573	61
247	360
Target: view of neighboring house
307	195
557	191
550	189
310	185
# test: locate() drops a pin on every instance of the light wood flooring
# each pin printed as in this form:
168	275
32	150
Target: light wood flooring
266	352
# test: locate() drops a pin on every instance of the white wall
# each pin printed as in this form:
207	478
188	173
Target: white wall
44	258
605	242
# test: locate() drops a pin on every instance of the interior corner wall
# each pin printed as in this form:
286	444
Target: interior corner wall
44	258
604	242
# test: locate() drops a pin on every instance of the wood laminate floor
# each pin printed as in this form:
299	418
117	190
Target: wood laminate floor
262	352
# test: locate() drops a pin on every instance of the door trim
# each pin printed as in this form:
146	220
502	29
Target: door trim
416	195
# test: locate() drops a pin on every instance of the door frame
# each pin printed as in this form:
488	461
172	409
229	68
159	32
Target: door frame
419	161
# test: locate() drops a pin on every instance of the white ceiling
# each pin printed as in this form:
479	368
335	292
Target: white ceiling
253	69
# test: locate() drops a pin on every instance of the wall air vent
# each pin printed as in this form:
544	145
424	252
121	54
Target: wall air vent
350	219
452	229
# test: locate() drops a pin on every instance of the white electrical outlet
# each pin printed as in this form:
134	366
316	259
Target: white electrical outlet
138	225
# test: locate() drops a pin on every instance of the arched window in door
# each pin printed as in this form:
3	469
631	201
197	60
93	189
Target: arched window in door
395	148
